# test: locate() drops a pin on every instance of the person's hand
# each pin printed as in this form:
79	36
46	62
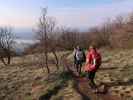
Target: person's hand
86	63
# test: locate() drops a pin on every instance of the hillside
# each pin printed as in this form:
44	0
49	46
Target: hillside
24	80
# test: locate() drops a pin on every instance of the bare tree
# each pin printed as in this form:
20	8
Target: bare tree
6	43
69	38
42	32
119	22
45	35
52	40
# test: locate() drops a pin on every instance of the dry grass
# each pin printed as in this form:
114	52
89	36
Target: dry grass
24	80
117	72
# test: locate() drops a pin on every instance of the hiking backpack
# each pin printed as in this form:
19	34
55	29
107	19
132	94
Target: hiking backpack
80	55
97	56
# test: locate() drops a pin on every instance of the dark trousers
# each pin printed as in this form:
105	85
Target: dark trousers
91	76
78	66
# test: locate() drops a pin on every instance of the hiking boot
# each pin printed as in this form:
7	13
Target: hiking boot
90	84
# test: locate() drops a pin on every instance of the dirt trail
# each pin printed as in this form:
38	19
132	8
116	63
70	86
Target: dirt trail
82	85
84	89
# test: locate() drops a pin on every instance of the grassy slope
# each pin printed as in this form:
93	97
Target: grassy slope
23	79
117	71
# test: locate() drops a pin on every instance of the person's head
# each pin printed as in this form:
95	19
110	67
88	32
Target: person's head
78	48
92	47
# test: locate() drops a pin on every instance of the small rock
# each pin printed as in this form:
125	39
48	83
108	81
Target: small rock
38	78
102	89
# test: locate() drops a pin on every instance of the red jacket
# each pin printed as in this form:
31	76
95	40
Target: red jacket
93	60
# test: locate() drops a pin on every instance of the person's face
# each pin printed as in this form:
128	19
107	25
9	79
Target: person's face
78	47
91	47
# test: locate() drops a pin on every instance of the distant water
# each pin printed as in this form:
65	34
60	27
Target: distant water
27	41
21	44
24	33
24	38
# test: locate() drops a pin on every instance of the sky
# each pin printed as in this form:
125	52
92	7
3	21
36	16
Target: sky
24	14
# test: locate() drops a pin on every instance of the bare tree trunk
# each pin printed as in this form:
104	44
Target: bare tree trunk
8	56
3	61
46	61
56	59
46	49
9	60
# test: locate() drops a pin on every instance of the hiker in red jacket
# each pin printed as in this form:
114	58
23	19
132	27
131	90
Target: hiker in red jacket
93	61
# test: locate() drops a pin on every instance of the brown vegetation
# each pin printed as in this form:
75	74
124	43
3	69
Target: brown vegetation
117	33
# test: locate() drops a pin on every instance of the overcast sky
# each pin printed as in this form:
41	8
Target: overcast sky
70	13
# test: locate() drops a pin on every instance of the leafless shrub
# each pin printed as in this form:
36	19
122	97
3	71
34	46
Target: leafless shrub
6	43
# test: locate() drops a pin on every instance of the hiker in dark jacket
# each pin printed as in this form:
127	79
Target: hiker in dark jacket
79	58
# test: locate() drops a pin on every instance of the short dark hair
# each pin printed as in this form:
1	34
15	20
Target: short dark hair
93	45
